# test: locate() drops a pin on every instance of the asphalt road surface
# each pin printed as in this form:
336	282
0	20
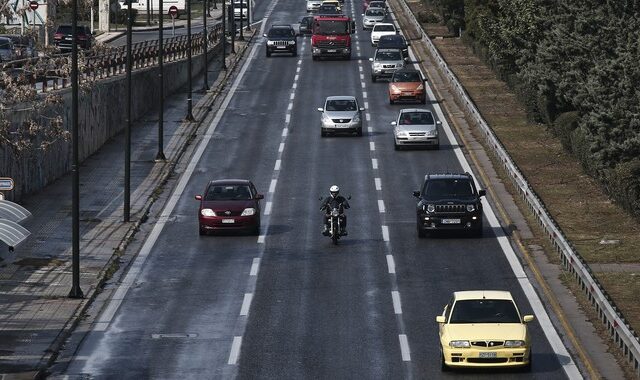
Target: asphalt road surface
288	304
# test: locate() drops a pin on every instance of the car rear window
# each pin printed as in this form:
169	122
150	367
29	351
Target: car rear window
383	28
65	29
228	193
448	188
484	311
410	76
341	105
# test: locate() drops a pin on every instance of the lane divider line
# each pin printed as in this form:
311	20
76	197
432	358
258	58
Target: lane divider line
374	163
378	183
267	208
397	305
391	264
272	185
381	206
255	266
276	167
385	233
246	304
372	146
235	350
404	348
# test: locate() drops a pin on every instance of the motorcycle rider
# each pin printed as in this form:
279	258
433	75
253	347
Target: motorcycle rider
338	201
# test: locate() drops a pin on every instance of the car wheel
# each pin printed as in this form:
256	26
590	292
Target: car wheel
295	53
202	231
391	101
313	57
373	78
323	133
424	100
443	366
396	146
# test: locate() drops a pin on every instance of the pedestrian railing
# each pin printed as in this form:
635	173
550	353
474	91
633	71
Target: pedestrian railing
54	72
621	332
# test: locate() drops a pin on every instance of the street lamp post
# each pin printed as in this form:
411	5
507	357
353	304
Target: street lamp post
232	17
127	130
160	155
249	14
189	84
215	6
224	36
75	292
205	32
241	36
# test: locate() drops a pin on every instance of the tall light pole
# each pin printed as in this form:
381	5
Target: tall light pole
189	84
75	292
249	14
205	85
127	129
232	19
224	35
241	36
160	155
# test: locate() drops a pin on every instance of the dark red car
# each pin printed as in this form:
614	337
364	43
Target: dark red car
229	204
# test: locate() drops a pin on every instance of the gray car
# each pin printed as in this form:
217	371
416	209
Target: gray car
416	127
7	50
341	114
373	16
385	62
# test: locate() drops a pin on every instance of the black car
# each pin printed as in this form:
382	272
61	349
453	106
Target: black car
395	41
281	39
63	37
306	25
449	202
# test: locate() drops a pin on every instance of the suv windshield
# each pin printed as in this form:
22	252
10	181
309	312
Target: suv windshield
409	118
406	76
484	311
331	27
383	28
281	32
448	188
228	193
393	55
341	105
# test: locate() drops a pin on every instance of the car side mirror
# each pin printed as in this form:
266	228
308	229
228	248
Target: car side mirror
438	122
264	34
259	196
528	318
361	109
198	197
482	192
370	59
416	194
440	319
363	15
320	109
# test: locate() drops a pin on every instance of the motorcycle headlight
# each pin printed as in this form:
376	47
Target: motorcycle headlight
471	208
335	213
431	208
207	212
395	88
514	343
459	344
248	211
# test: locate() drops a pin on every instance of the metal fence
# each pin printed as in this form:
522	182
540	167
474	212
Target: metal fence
621	332
54	72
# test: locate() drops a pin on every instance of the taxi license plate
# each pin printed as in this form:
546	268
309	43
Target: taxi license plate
228	221
332	51
450	221
488	355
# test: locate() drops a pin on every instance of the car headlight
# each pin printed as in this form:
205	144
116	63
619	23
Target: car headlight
402	134
270	43
356	118
207	212
459	344
292	42
514	343
471	208
395	88
376	65
248	211
326	118
431	208
433	132
420	87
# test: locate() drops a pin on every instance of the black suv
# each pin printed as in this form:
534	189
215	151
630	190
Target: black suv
449	202
63	37
281	39
394	41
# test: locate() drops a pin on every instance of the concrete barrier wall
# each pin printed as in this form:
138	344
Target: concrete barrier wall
101	116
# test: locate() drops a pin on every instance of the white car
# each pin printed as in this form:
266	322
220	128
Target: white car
415	127
313	5
381	29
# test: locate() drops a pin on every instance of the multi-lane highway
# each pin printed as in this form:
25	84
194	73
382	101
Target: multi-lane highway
289	304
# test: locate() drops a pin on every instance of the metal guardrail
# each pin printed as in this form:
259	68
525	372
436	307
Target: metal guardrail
53	73
621	332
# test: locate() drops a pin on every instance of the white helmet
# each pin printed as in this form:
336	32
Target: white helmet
334	190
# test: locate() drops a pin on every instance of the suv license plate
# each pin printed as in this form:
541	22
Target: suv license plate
332	51
450	221
488	355
281	47
228	221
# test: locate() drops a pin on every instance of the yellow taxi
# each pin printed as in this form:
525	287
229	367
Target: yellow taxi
483	328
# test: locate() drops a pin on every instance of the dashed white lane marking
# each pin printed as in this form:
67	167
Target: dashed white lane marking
272	185
391	264
297	71
255	266
277	165
404	348
290	107
285	132
368	116
372	146
261	239
385	233
287	118
295	79
292	96
360	68
246	304
378	183
267	208
364	94
374	163
381	206
281	148
397	305
235	350
362	78
295	85
366	105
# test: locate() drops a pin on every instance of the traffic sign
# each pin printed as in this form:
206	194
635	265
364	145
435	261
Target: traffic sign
33	5
173	11
6	184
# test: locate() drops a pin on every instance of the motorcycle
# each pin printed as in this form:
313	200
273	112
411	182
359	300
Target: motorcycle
335	229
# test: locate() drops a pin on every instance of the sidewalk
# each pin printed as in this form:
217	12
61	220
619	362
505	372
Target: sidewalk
36	316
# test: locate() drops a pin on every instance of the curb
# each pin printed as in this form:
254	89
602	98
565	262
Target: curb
54	349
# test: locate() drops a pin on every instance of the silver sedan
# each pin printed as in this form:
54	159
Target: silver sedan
341	114
416	127
373	16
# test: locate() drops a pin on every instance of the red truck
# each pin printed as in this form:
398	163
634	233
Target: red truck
331	36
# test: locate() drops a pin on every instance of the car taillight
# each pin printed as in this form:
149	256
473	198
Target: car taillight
57	36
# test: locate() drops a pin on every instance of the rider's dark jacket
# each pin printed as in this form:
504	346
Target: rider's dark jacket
330	202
